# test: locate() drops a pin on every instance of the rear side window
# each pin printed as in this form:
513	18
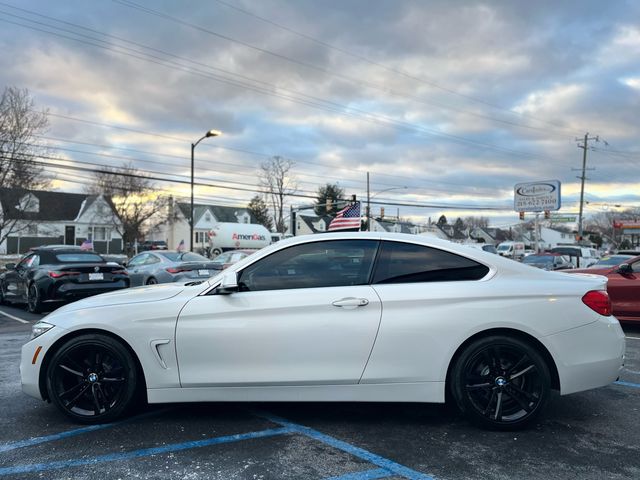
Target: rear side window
409	263
78	258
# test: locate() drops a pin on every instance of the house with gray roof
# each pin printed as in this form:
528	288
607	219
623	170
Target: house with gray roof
30	218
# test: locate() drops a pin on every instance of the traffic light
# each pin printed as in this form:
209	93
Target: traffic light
521	215
547	214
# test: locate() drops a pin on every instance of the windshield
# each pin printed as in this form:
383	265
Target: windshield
537	260
610	261
78	257
184	257
502	248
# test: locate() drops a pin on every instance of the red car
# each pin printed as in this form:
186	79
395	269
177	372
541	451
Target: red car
623	287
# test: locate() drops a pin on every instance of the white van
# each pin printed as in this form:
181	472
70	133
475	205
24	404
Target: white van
581	257
511	249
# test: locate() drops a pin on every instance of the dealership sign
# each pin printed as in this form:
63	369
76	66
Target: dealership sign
537	196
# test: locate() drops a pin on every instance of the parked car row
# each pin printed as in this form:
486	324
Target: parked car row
51	275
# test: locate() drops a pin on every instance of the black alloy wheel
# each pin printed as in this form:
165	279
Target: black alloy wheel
500	382
34	302
152	281
92	379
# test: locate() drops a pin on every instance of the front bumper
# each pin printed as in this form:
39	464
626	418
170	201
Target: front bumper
31	360
588	357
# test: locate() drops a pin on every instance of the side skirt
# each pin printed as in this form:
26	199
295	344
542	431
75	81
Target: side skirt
429	392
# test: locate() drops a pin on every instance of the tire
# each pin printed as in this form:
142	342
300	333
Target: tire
500	382
152	281
215	252
92	379
34	301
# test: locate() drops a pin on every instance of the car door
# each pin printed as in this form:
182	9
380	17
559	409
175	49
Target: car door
624	290
304	315
16	280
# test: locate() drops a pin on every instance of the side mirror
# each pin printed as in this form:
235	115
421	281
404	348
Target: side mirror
10	266
229	284
625	269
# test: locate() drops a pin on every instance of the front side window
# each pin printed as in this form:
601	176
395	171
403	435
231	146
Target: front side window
312	265
410	263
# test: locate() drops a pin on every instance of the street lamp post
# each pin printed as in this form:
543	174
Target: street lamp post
210	133
369	198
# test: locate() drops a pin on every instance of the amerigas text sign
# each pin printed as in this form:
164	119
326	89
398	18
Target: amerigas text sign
537	196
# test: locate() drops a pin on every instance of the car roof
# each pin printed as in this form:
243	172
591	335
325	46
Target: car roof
66	249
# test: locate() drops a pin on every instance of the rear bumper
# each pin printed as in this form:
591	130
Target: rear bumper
588	357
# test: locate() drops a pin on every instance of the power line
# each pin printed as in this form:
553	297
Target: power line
293	96
160	179
397	71
356	81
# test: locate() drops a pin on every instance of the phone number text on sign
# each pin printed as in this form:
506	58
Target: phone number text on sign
537	196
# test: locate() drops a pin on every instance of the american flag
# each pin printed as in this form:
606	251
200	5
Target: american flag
87	244
347	218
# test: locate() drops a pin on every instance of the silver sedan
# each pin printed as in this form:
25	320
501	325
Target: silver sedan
165	266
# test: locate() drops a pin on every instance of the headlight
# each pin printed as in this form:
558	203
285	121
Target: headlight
39	328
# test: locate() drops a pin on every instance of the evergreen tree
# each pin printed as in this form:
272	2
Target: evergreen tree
328	193
258	208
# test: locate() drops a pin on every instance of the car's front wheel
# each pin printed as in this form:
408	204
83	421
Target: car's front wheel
92	378
500	382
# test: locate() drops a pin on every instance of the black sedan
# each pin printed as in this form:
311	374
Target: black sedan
48	276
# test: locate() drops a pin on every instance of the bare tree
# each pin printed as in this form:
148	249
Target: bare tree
138	207
473	222
277	183
20	147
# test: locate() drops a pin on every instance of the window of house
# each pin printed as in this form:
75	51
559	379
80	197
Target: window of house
201	237
312	265
99	233
409	263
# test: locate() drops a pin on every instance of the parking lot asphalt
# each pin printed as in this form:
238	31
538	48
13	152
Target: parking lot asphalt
589	435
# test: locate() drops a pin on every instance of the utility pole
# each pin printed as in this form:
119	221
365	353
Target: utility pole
584	146
368	205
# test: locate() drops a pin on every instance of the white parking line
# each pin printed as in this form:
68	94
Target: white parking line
12	317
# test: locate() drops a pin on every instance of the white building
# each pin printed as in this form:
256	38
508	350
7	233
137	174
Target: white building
37	218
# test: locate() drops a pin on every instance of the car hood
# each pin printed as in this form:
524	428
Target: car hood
150	293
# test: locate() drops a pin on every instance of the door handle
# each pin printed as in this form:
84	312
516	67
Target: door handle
350	302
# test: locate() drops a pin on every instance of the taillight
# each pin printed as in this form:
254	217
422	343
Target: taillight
598	301
62	274
176	269
119	272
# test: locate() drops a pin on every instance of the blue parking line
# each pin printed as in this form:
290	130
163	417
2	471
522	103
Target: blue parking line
365	475
145	452
386	464
627	384
72	433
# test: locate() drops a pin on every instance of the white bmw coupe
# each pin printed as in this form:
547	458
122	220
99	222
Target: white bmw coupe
336	317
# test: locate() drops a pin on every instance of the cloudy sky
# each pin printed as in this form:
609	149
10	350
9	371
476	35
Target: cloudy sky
456	101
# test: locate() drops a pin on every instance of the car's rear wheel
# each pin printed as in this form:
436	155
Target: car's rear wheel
92	378
152	281
34	301
500	382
